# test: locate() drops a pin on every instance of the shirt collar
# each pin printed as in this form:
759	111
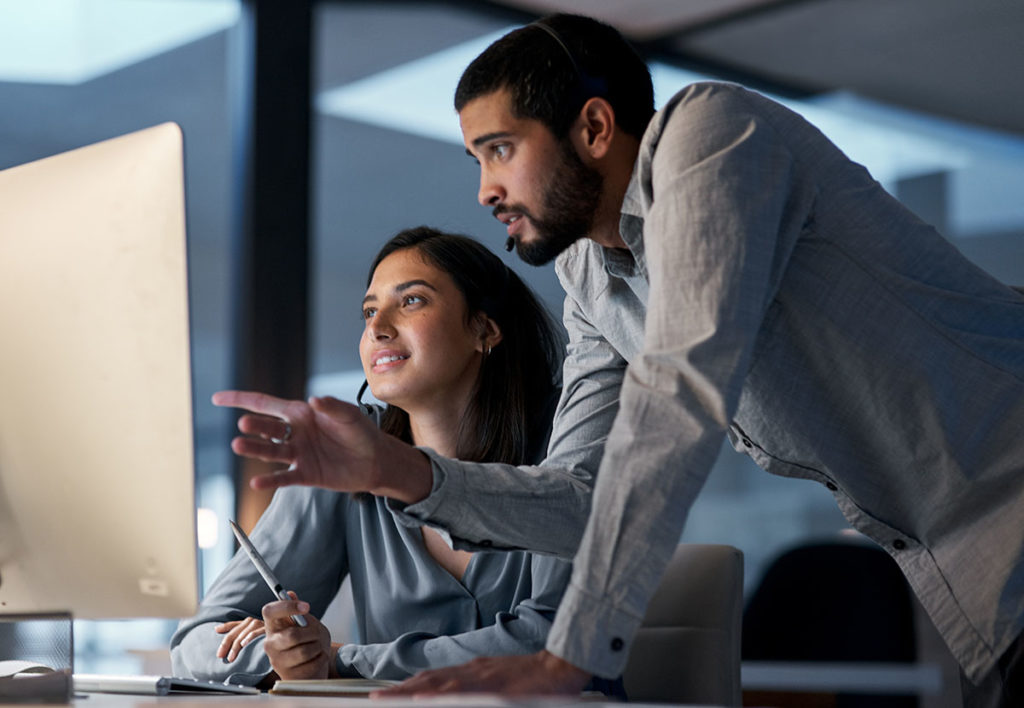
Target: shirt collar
621	263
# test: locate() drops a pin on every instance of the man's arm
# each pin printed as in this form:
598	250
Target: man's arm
538	508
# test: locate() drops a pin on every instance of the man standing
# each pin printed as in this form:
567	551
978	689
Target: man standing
728	271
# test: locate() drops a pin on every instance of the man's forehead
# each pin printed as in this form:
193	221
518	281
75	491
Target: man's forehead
487	113
488	117
498	100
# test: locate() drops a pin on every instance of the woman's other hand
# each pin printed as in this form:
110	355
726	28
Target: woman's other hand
238	634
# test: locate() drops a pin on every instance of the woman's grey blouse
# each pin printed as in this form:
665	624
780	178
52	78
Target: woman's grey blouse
411	614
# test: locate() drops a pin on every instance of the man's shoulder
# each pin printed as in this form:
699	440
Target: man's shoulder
701	119
698	93
702	98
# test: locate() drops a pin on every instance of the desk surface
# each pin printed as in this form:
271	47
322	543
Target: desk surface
264	700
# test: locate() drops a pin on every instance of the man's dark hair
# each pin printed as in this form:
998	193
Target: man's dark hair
509	415
553	66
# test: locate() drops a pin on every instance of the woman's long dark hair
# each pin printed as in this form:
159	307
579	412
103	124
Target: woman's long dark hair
508	416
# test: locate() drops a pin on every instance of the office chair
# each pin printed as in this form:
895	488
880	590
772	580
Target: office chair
688	648
836	602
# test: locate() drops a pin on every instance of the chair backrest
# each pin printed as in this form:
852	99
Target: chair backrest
688	647
833	602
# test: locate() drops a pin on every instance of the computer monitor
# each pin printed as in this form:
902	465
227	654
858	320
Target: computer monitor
97	511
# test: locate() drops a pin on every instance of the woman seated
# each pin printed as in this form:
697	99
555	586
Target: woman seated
467	360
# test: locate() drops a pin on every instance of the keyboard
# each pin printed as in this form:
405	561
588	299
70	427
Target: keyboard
154	685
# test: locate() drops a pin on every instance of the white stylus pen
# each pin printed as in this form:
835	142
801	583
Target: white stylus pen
263	568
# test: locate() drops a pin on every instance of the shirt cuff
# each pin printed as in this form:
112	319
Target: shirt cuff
592	634
417	514
429	512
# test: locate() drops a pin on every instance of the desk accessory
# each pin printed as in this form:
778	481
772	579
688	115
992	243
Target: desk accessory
264	569
36	655
154	685
349	687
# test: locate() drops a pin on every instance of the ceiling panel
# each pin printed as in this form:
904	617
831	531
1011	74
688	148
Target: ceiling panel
957	59
647	19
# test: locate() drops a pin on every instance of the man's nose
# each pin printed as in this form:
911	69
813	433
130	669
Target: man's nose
491	194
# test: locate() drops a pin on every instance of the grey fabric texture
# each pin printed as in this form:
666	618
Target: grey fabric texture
773	292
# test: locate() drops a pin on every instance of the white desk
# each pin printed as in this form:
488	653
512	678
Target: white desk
265	700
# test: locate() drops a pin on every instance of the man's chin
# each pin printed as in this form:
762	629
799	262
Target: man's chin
540	250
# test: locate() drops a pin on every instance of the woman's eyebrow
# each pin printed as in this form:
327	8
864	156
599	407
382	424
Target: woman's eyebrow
401	287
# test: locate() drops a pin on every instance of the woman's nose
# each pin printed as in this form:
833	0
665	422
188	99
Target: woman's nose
380	326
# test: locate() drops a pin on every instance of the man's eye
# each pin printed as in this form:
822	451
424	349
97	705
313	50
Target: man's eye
369	312
501	150
411	299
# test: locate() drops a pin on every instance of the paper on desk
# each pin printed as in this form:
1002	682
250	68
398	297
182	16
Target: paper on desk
13	667
329	687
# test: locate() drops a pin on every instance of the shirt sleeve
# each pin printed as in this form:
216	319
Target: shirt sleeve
301	536
724	212
471	503
521	630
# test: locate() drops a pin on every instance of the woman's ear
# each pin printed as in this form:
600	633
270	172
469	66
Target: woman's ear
594	128
490	334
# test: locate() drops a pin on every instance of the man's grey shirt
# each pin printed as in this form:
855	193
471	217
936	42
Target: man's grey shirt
774	292
411	614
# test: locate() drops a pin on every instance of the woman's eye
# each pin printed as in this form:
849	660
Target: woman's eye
501	150
369	312
411	300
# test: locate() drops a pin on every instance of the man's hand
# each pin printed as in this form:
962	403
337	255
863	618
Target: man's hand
542	673
297	652
237	634
325	443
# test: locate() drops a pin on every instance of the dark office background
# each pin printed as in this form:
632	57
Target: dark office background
292	187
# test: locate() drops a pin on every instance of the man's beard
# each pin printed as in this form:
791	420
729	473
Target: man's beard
571	198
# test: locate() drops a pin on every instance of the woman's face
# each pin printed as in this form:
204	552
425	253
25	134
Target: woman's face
418	350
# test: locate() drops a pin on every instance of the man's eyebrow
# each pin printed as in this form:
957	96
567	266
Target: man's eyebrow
487	137
401	287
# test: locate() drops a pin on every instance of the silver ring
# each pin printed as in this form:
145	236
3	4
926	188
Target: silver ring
287	435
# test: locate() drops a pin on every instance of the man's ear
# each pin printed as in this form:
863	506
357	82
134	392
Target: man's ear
594	128
490	334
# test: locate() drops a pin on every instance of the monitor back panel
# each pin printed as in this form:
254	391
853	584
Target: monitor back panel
97	508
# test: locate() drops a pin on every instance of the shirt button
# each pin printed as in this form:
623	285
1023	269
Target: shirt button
747	442
831	487
617	644
899	544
